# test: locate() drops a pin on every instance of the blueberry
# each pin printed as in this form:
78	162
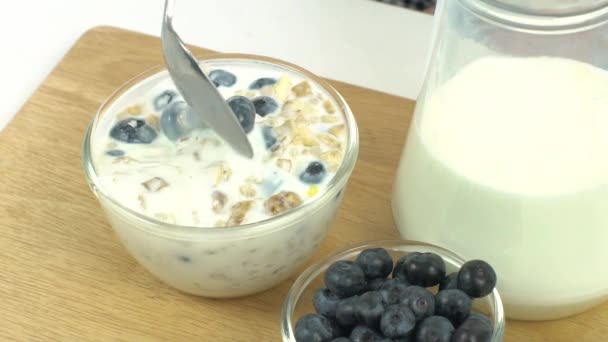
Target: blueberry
221	77
314	328
264	105
450	282
184	258
339	331
115	153
476	328
270	136
392	290
476	278
369	308
405	339
422	269
133	131
398	321
164	99
375	262
434	329
314	173
374	284
262	82
420	300
345	279
398	268
362	333
325	302
244	111
178	120
454	305
346	314
341	339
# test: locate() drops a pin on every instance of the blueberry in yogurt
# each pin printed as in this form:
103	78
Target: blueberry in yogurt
265	105
115	153
223	78
178	119
314	173
244	111
164	99
270	137
262	82
133	131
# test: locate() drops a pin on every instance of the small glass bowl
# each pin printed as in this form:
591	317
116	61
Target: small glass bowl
231	261
300	297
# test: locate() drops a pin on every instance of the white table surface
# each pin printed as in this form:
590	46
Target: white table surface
357	41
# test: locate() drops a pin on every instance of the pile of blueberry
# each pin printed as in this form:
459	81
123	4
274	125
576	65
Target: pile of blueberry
361	303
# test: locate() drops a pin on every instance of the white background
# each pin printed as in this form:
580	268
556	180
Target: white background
358	41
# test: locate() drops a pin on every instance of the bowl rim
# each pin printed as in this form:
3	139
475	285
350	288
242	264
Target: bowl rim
275	223
314	270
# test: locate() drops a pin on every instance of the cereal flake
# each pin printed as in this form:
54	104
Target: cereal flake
247	190
328	140
329	119
153	120
337	131
218	201
281	88
134	110
281	202
329	107
165	217
302	89
238	213
155	184
284	164
312	190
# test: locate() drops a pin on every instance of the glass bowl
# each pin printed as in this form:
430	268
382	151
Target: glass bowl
228	261
299	299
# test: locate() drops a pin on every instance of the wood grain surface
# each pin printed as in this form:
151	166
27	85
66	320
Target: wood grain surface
65	277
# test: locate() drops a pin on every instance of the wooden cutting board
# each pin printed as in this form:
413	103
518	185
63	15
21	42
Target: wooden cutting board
65	277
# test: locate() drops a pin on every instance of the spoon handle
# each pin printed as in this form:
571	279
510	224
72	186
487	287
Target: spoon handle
198	91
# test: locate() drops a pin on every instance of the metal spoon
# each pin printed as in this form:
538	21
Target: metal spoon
198	91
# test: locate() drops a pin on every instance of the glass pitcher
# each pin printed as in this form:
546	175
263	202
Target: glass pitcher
507	155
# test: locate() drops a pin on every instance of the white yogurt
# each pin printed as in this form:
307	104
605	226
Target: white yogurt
198	181
508	162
